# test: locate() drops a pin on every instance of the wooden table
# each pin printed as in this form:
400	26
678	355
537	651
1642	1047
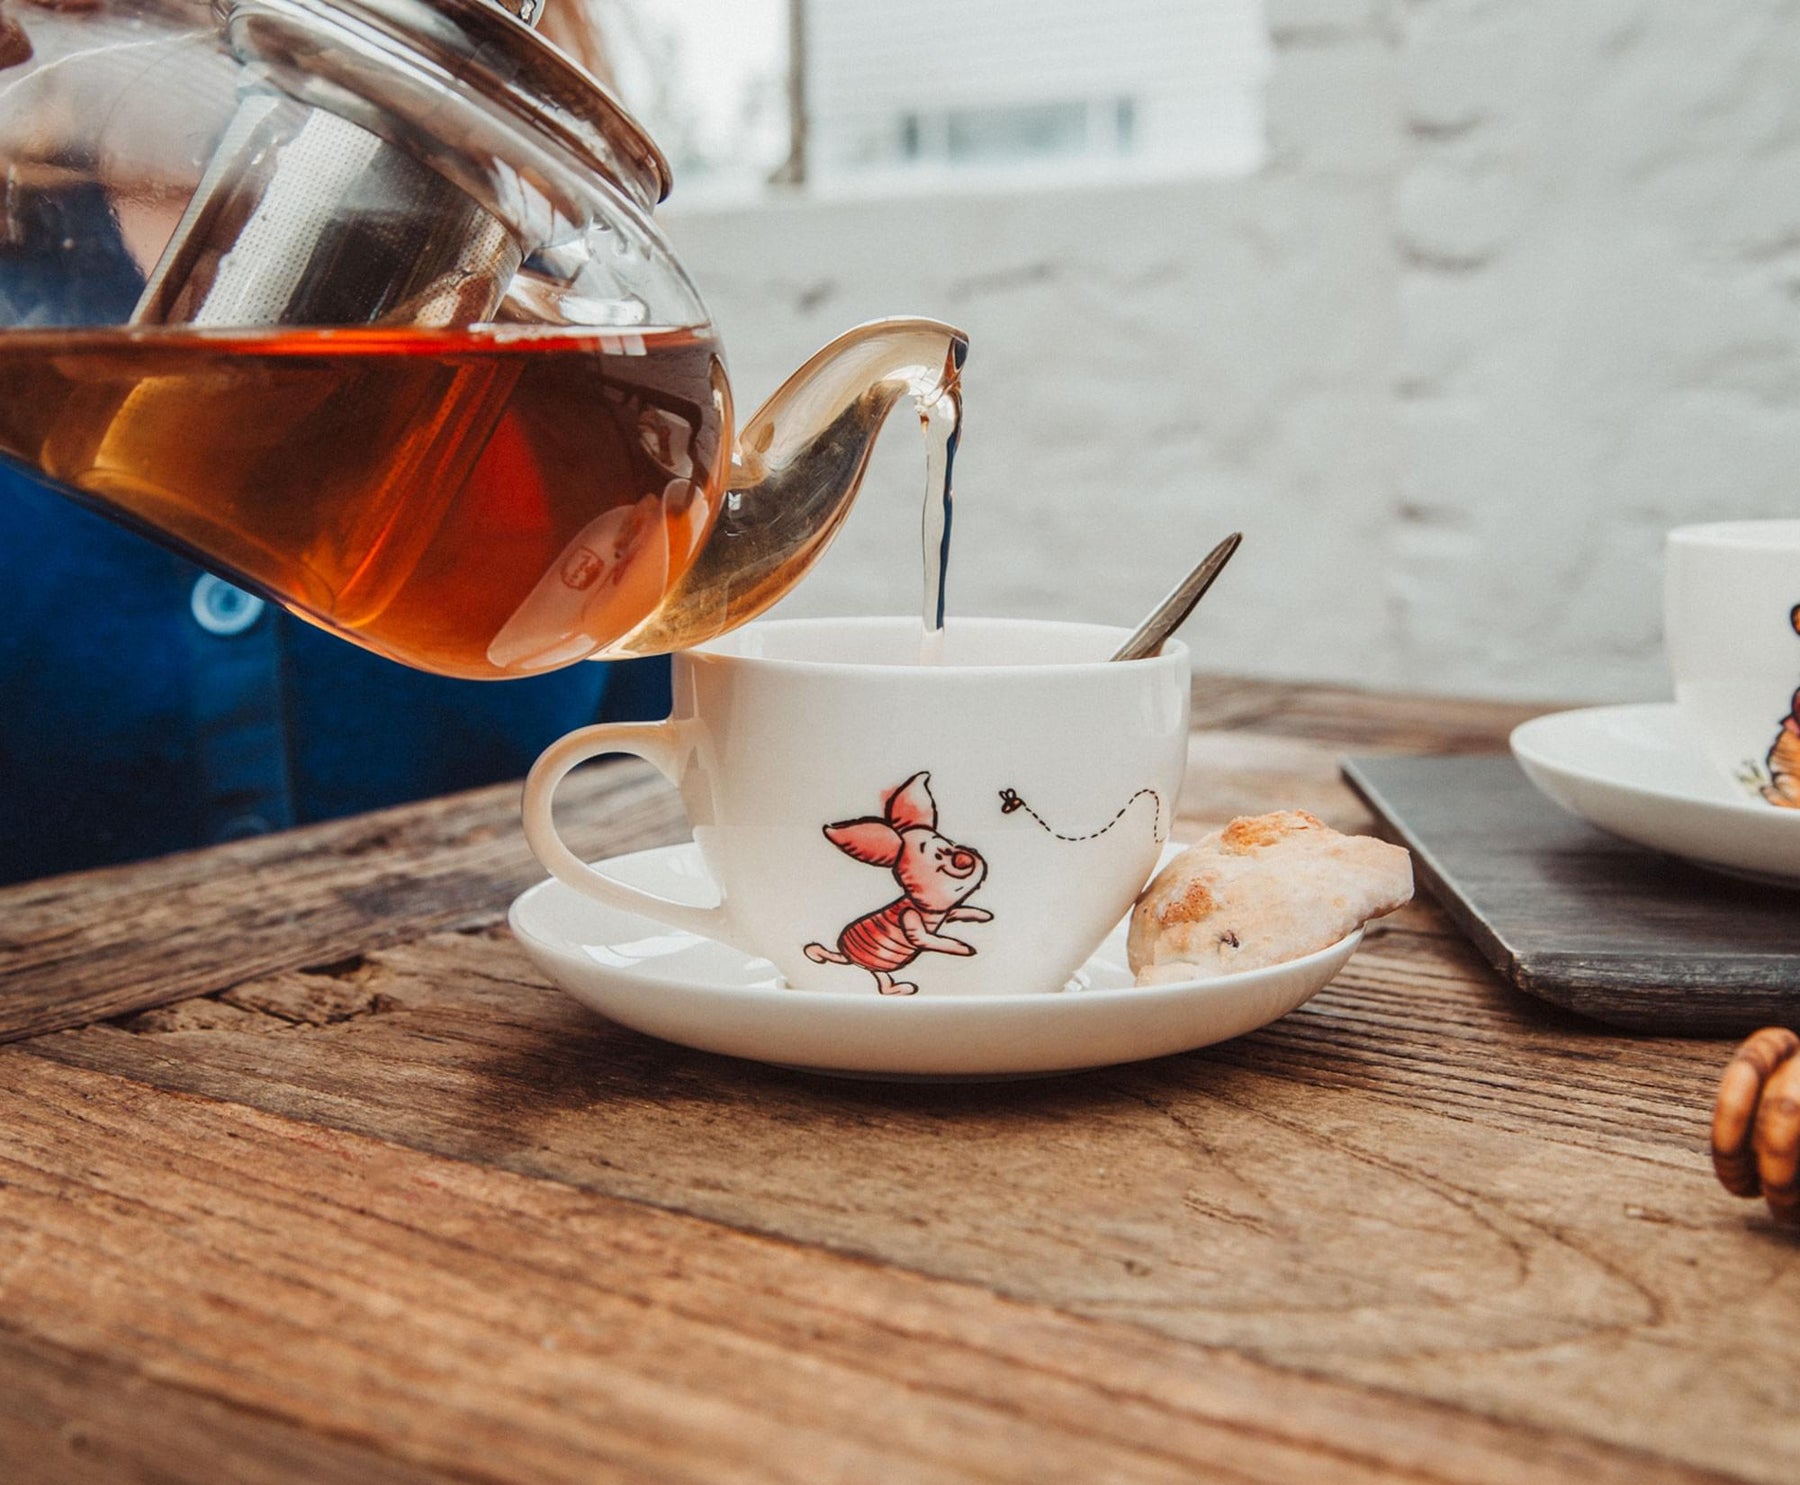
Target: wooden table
364	1199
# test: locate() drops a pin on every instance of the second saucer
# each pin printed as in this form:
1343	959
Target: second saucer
1633	771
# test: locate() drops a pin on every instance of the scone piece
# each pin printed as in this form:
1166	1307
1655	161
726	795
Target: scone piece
1265	889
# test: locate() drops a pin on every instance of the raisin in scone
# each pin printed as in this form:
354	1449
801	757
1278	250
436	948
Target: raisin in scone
1263	890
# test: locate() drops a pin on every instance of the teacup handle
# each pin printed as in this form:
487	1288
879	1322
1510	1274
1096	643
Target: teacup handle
660	744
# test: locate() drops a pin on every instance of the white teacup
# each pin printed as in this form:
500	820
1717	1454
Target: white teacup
873	824
1731	619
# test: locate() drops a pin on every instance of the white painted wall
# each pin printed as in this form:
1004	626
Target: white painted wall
1518	288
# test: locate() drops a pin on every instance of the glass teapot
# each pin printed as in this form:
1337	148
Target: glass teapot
360	303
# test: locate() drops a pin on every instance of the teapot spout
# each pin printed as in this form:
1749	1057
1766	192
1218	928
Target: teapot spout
798	465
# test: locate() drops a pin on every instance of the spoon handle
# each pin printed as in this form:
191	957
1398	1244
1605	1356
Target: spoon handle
1172	612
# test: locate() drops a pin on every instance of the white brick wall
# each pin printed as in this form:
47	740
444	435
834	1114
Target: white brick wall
1519	288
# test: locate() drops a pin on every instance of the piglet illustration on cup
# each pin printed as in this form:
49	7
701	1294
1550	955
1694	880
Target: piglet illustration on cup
936	877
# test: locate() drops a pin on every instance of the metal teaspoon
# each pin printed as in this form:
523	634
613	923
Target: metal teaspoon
1172	612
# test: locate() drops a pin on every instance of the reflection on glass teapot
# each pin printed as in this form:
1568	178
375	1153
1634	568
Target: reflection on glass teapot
402	347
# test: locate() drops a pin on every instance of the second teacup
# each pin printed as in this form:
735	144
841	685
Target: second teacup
1731	609
877	825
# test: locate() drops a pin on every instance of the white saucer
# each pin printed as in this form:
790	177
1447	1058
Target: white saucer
1632	770
699	993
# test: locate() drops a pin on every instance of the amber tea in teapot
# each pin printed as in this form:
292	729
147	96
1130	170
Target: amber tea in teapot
558	488
395	338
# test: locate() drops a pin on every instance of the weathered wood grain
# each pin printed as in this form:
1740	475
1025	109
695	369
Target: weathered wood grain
484	1326
1586	921
1424	1229
73	1417
1421	1179
1352	720
92	945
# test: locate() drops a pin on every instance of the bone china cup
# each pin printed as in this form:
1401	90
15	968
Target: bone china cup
874	825
1731	619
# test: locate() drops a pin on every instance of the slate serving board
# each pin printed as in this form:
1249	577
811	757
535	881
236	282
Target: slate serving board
1592	923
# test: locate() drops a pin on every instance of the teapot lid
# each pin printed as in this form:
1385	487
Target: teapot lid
458	57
